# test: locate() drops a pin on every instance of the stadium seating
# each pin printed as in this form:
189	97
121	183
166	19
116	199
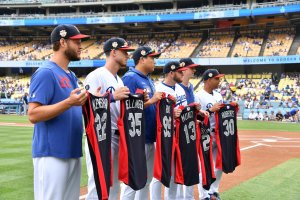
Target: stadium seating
217	45
248	44
279	42
183	47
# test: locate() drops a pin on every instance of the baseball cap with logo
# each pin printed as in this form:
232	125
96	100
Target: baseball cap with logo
173	66
187	62
116	43
144	51
66	31
211	73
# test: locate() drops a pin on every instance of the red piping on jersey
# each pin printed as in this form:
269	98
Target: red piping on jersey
178	164
93	141
219	152
200	154
123	151
157	173
238	153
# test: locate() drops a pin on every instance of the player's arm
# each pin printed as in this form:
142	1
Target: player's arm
156	97
38	112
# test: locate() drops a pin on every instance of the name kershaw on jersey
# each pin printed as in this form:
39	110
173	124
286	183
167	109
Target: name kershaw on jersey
99	103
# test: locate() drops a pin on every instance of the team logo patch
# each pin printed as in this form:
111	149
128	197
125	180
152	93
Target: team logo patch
63	33
114	44
182	64
87	87
210	75
188	109
143	52
173	67
228	107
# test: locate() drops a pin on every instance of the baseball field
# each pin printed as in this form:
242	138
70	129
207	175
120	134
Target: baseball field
270	161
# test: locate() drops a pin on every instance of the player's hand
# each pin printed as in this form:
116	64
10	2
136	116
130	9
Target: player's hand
177	112
77	97
216	107
203	113
146	96
156	97
121	93
198	106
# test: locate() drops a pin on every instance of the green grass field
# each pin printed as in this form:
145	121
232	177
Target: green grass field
16	170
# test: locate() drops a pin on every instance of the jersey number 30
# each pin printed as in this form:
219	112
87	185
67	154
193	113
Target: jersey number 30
229	127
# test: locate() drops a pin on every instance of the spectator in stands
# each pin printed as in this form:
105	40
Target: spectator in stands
279	116
25	103
55	109
287	116
265	116
252	115
259	116
294	113
272	116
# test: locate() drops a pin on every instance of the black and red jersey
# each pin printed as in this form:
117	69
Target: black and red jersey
186	149
132	158
205	154
164	139
96	112
228	156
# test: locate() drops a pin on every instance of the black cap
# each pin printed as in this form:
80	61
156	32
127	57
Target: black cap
211	73
66	31
116	43
173	66
144	51
187	62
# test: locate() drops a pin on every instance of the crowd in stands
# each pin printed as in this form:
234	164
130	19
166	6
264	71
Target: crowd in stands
248	43
218	44
279	42
12	88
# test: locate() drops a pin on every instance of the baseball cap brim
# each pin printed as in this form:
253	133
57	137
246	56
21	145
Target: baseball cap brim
79	36
156	55
126	49
181	69
220	75
193	65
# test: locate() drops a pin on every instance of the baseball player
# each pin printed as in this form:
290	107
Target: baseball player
211	101
173	75
138	78
187	75
55	109
107	79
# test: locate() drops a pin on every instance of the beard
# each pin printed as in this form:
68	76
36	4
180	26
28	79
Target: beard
72	55
177	79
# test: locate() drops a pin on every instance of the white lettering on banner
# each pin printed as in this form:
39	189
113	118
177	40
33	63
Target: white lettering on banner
191	127
229	127
205	142
134	104
99	103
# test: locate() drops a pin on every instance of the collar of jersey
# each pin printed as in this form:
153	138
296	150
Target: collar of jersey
170	86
